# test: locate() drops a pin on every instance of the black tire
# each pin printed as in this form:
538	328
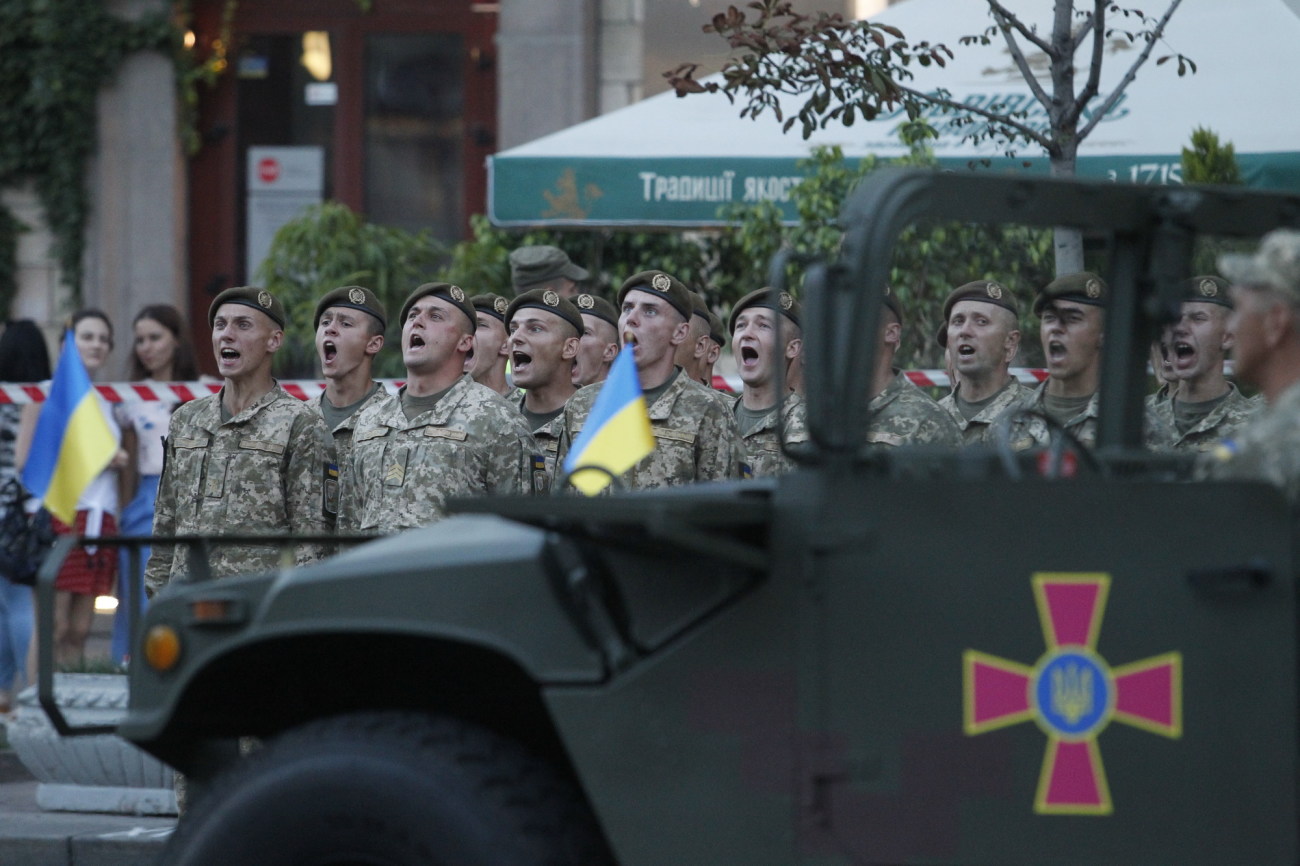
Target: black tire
389	789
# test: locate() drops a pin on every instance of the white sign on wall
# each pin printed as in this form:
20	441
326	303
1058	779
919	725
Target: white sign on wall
282	181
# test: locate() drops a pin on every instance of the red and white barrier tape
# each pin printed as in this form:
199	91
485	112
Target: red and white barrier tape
309	389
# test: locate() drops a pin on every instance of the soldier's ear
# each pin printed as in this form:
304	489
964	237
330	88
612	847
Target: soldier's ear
374	344
570	350
610	353
274	341
794	348
1012	345
465	343
680	333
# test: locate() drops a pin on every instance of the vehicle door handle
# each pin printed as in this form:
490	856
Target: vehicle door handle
1231	579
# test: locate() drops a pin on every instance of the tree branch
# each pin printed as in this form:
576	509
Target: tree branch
1083	31
1028	132
1098	27
1018	57
1114	96
1000	11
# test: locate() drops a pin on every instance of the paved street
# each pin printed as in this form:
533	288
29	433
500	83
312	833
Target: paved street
32	837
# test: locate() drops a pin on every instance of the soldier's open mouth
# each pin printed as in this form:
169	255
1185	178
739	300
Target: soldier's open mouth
415	342
520	359
1183	350
1055	351
965	349
330	350
748	354
229	354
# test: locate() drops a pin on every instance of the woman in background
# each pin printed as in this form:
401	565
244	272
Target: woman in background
89	570
162	353
23	359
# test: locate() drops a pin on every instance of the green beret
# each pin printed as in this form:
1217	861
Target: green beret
988	291
353	297
699	306
717	333
595	305
1084	287
1276	265
550	301
493	304
1207	289
532	265
941	335
784	301
660	283
447	292
249	296
891	301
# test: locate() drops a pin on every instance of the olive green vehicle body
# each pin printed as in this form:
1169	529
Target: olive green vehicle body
776	671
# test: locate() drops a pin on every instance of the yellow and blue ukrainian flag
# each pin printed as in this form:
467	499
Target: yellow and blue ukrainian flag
617	432
72	443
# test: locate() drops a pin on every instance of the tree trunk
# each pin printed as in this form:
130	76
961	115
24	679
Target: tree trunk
1067	243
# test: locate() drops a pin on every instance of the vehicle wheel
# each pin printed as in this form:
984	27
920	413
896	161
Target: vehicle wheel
389	789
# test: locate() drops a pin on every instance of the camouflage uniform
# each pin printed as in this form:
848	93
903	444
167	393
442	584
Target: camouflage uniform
1227	418
903	414
763	454
695	435
403	472
343	432
1030	432
269	470
980	428
1267	449
548	444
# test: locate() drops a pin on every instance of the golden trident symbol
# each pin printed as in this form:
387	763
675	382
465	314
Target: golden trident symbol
1072	692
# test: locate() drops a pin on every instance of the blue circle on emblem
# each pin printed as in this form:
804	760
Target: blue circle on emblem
1073	693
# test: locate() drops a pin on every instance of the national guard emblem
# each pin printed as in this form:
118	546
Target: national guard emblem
994	290
1072	694
586	302
356	296
785	301
1208	288
500	305
1092	289
550	299
264	298
457	294
661	283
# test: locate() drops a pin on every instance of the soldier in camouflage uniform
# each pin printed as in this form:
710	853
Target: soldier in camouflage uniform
250	459
1071	310
445	435
1206	406
598	345
754	323
1265	324
899	412
488	359
693	351
544	331
717	342
695	435
545	267
350	324
981	336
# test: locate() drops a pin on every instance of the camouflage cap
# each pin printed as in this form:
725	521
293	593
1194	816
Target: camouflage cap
1275	265
717	333
532	265
353	297
1207	289
1084	287
550	301
249	296
491	303
987	291
660	283
454	295
767	297
595	305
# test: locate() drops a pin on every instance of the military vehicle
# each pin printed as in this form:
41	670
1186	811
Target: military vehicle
897	657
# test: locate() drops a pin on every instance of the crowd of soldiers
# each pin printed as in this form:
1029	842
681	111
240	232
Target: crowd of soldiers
252	459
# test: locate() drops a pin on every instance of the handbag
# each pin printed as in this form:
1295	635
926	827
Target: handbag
25	539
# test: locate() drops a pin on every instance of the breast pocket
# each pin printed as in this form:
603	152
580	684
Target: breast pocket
246	488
